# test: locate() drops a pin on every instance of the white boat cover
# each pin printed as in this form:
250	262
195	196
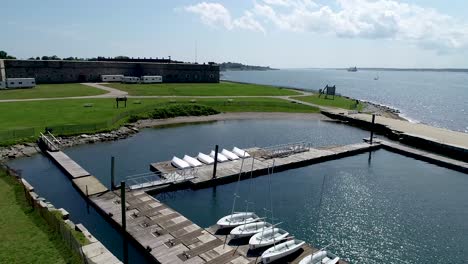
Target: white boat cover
221	157
240	152
267	237
180	164
192	161
229	154
248	230
237	219
281	250
205	158
322	256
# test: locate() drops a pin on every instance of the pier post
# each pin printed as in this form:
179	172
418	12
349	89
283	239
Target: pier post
372	128
215	161
123	206
112	173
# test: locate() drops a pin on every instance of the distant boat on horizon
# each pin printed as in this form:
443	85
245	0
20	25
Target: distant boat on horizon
352	69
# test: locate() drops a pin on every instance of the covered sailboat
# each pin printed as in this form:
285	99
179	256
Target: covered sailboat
267	237
322	256
228	154
248	230
221	157
281	250
237	219
205	158
179	163
240	152
192	161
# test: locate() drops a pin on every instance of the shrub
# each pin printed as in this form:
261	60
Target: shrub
174	110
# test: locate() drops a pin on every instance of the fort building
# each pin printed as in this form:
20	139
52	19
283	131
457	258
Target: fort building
63	71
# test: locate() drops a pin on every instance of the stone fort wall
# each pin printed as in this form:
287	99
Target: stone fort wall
91	71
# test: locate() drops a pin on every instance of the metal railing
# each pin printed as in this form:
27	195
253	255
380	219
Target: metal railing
284	150
152	179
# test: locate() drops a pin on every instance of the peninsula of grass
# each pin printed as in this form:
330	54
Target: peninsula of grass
202	89
84	114
51	91
25	236
337	102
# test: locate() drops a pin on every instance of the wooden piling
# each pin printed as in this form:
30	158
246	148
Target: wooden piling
215	161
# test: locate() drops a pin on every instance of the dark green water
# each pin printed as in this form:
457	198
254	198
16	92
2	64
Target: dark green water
134	154
389	209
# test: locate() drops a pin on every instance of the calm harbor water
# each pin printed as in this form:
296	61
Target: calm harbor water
372	208
436	98
134	154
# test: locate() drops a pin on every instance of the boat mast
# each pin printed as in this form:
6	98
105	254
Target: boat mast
271	202
237	189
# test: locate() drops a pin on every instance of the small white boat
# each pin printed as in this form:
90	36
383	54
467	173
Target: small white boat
322	256
180	164
240	152
237	219
229	154
248	230
267	237
281	250
205	158
221	157
192	161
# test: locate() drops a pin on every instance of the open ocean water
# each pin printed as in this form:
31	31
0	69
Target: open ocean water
436	98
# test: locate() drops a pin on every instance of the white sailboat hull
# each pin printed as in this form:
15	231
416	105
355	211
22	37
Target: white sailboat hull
237	219
248	230
323	257
267	238
281	250
240	152
205	158
192	161
228	154
221	157
180	164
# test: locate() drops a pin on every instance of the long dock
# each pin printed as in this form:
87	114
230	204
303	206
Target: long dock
259	163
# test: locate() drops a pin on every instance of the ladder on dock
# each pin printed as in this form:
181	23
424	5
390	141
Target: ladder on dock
49	141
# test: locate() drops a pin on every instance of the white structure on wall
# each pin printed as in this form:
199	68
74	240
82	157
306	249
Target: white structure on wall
151	79
112	78
2	85
130	79
20	82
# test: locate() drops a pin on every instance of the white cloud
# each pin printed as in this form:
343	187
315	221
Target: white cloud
371	19
215	14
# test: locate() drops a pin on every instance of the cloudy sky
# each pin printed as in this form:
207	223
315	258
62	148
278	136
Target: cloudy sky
279	33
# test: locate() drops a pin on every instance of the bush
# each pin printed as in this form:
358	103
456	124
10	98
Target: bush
174	110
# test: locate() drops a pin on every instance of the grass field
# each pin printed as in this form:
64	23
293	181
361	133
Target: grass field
40	114
25	236
339	102
202	89
51	91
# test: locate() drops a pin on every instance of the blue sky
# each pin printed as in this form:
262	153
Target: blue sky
279	33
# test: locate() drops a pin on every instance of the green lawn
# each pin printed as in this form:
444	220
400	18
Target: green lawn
51	91
339	102
202	89
25	236
41	114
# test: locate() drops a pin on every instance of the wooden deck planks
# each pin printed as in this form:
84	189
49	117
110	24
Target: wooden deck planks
69	165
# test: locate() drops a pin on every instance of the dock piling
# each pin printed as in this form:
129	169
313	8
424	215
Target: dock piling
123	206
215	161
372	128
112	173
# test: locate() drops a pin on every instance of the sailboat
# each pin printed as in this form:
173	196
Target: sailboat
248	230
321	256
267	237
282	250
237	218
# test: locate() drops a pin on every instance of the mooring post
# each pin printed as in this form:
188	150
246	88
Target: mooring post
372	128
215	161
112	173
124	207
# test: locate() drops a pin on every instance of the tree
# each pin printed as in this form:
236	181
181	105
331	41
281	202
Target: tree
4	55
